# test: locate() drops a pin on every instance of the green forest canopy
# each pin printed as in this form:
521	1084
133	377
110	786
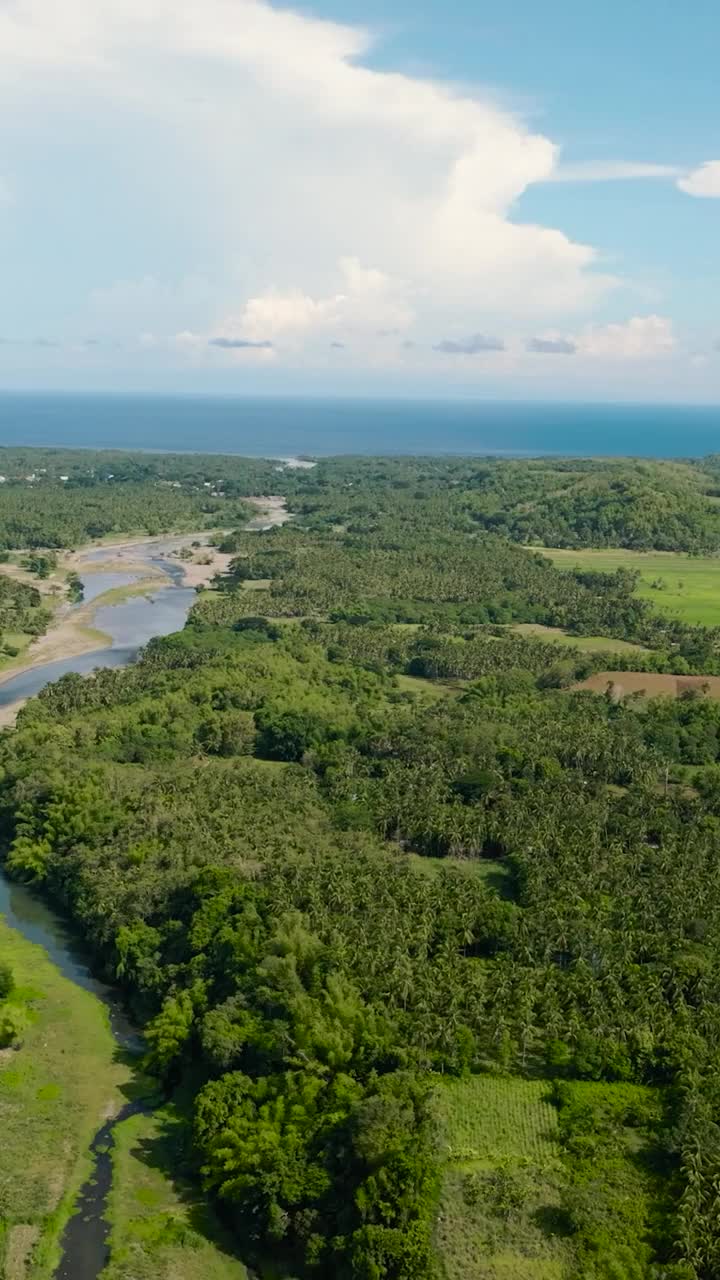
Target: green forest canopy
241	823
635	503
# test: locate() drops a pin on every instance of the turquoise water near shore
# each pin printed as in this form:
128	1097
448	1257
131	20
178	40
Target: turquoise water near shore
279	427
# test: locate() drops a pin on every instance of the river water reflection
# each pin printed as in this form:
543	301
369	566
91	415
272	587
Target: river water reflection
129	624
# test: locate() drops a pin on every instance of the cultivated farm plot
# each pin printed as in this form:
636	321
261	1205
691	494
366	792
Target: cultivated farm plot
650	683
499	1147
687	587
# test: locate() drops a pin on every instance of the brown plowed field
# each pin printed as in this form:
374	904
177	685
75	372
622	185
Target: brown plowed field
650	683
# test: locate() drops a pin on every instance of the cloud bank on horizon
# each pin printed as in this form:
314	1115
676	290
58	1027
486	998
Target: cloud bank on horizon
223	185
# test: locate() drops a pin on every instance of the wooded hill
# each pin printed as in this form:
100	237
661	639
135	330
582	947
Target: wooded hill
673	506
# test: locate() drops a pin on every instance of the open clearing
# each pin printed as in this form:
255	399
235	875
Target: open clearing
495	1133
496	874
586	644
433	689
651	684
691	589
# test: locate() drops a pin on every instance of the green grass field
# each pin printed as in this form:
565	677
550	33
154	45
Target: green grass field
691	588
586	644
501	1181
54	1091
422	688
19	640
496	874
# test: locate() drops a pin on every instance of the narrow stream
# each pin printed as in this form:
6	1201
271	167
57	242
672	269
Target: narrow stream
85	1251
84	1244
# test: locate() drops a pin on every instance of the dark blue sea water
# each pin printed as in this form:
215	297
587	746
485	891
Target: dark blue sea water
274	428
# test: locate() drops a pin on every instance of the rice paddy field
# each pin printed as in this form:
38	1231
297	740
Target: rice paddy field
684	586
502	1179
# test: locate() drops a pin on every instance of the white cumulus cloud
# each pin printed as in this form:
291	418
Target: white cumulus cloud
315	195
367	300
640	338
613	171
704	181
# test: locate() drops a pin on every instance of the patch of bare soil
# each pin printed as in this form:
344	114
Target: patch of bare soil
272	511
651	683
201	570
20	1242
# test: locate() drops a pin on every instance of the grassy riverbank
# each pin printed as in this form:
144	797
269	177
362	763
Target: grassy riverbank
56	1088
162	1229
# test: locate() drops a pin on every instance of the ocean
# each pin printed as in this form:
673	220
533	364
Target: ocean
282	427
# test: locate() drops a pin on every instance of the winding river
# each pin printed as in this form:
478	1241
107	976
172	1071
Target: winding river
138	619
130	625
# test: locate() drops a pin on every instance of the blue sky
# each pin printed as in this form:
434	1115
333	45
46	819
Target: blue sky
427	200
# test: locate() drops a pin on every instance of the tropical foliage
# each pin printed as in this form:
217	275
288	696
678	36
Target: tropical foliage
349	837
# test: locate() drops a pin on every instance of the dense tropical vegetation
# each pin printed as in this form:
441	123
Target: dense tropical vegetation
21	613
349	836
574	502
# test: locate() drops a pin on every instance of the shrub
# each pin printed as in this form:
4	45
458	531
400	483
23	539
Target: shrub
7	980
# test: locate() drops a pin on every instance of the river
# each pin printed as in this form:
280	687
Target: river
84	1244
136	620
130	625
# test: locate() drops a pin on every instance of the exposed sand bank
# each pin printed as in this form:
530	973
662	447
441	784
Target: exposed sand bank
71	632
